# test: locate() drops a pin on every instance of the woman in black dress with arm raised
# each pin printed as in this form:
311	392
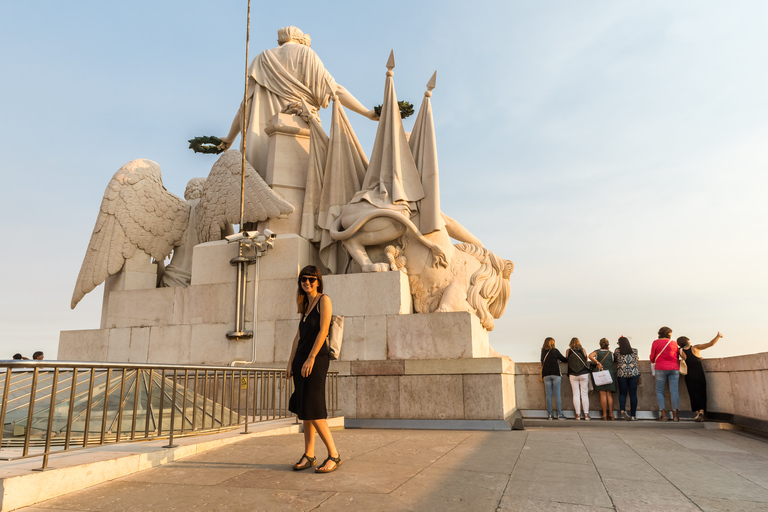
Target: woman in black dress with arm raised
308	364
695	379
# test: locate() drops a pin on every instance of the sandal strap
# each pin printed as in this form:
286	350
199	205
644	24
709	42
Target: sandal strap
337	460
309	459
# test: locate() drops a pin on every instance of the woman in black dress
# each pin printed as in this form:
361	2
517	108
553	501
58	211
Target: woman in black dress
308	365
695	380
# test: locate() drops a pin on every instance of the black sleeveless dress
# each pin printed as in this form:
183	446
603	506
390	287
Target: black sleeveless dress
308	399
695	381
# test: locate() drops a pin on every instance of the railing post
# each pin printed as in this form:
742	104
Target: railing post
136	383
205	399
120	408
215	396
194	402
88	407
30	411
51	409
184	401
162	403
247	389
71	408
173	411
149	402
6	387
106	405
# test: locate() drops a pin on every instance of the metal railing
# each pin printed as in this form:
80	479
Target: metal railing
57	406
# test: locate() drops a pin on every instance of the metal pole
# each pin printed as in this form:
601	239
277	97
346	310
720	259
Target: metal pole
136	382
173	413
247	389
149	403
51	409
205	399
240	331
106	405
120	404
30	411
194	402
88	408
5	401
162	402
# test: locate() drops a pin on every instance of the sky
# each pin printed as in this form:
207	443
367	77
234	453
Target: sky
617	152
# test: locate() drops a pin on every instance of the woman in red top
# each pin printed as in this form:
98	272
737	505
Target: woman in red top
665	355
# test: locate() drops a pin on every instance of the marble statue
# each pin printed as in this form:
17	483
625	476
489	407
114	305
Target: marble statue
282	78
139	214
219	206
443	277
136	214
179	271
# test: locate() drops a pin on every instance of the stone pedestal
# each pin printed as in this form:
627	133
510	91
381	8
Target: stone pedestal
286	169
394	364
462	390
139	273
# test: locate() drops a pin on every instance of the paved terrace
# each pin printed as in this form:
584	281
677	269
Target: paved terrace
578	468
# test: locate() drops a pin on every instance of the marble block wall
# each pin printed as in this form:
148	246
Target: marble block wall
189	325
444	389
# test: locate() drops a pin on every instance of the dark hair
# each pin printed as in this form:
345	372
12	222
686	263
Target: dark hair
575	344
37	354
604	343
18	356
625	348
682	341
549	344
665	332
302	301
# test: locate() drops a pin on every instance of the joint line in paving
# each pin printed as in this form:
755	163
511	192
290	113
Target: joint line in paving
509	480
659	472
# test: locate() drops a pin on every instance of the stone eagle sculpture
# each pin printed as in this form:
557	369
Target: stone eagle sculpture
137	213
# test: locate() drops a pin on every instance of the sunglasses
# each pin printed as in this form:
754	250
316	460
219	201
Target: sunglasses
308	279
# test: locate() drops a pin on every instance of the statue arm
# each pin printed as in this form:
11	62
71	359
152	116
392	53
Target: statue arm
237	122
459	232
348	100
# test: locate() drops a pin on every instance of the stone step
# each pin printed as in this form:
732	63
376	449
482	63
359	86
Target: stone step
622	424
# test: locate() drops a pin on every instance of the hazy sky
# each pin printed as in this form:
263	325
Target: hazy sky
617	152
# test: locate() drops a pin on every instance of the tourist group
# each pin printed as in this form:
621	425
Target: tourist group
602	370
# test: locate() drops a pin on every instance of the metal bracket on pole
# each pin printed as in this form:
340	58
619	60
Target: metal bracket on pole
249	241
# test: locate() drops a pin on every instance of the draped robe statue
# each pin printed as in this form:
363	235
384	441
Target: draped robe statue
280	78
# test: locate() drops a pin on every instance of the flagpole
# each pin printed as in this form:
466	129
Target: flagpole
245	123
241	260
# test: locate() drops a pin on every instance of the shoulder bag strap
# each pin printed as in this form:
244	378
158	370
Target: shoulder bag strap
662	351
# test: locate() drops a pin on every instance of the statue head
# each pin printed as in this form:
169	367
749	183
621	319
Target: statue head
194	188
294	35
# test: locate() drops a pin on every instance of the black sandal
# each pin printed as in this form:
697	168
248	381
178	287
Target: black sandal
310	462
337	460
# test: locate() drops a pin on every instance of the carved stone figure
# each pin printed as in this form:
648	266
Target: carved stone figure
443	277
179	271
219	206
136	214
281	78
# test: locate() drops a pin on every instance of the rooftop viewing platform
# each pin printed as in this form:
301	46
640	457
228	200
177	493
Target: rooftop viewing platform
574	469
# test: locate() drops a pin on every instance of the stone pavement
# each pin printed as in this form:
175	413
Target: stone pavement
560	469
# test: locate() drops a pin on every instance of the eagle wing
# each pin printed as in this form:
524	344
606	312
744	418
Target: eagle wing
219	204
137	212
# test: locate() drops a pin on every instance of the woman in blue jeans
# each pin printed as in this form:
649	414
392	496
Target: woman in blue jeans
550	373
665	355
628	375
